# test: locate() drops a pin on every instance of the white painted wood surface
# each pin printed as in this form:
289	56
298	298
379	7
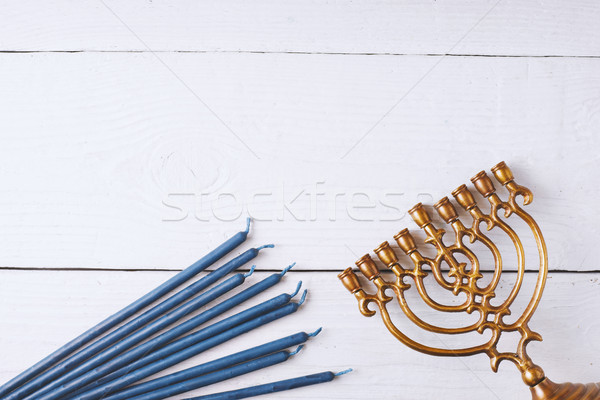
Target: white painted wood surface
403	27
110	162
43	309
138	135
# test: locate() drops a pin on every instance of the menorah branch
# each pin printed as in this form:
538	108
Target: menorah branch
463	277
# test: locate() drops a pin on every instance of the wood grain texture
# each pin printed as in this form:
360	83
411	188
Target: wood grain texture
140	134
127	161
40	310
407	27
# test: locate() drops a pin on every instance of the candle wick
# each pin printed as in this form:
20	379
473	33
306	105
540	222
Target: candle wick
315	333
297	289
247	274
343	372
248	220
266	246
288	268
303	298
293	353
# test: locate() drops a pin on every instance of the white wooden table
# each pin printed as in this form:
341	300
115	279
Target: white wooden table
137	135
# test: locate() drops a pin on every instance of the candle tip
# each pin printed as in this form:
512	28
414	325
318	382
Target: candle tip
266	246
293	353
288	268
344	372
248	220
297	289
315	333
247	274
303	298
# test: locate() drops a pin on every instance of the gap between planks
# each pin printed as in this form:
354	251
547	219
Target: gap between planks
304	270
466	55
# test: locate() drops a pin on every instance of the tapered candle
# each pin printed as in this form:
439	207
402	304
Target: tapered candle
99	376
196	339
215	365
90	357
126	312
184	354
140	335
272	387
214	377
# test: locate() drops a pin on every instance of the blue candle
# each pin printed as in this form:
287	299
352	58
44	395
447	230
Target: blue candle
214	377
272	387
140	335
126	312
99	375
75	364
173	359
215	365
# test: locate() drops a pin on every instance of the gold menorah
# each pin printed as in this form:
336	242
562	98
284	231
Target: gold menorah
461	278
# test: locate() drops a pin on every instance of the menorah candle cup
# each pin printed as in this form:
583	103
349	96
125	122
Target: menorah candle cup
464	197
367	266
483	184
420	215
350	280
502	173
459	277
386	254
446	210
405	241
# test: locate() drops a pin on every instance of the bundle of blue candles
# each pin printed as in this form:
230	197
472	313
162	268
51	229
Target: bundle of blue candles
109	360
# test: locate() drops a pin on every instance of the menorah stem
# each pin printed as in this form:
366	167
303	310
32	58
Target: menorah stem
532	374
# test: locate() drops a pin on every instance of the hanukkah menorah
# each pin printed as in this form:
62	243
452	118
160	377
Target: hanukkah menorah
465	277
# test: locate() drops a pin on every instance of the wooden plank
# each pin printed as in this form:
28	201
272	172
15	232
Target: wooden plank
109	161
40	310
407	27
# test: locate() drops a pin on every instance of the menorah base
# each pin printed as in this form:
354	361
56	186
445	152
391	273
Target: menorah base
548	390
